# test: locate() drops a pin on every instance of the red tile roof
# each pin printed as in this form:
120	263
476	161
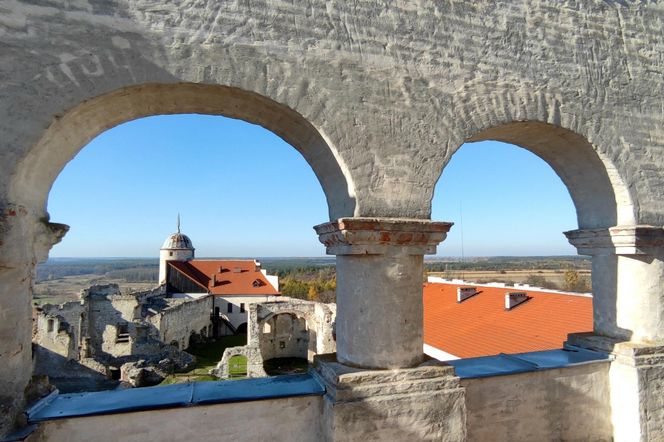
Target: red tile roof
233	277
480	325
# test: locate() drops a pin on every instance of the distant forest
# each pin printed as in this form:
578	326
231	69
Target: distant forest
130	270
306	278
497	263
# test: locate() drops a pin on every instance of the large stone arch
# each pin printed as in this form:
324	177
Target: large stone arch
558	132
600	196
69	133
26	235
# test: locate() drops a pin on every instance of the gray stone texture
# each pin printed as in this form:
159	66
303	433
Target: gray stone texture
570	404
422	403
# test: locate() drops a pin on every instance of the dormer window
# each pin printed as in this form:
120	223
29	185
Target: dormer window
258	283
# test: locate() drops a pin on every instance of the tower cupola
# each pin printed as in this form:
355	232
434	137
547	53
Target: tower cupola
177	247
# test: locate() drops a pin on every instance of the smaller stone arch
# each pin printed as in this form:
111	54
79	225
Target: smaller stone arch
311	328
254	362
289	337
241	329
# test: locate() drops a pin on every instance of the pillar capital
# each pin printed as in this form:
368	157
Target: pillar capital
380	236
617	240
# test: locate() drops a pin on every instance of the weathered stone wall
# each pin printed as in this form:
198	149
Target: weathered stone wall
390	86
292	328
571	403
185	317
285	335
67	321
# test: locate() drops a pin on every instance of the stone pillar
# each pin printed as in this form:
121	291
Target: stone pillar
24	240
628	318
379	287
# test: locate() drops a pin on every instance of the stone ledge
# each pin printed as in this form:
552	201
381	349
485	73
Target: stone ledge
378	236
348	384
632	353
621	240
190	394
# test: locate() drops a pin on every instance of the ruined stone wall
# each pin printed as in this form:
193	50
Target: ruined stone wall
292	328
179	322
285	335
104	317
56	336
68	321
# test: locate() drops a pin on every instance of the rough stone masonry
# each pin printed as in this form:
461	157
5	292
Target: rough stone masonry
377	96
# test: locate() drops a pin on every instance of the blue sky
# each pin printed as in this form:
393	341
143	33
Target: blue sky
242	191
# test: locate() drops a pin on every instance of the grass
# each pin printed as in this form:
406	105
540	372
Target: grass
237	367
207	357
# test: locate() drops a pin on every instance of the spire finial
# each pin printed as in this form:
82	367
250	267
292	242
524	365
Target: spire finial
178	222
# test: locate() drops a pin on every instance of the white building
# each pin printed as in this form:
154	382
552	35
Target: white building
234	283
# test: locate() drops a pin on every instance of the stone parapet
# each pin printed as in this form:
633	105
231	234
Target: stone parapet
636	378
379	236
421	403
619	240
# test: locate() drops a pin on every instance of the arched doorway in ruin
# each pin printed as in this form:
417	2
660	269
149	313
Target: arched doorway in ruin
286	341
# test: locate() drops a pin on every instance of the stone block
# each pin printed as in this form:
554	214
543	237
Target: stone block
421	403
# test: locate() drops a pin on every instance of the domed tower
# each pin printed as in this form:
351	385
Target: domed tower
177	247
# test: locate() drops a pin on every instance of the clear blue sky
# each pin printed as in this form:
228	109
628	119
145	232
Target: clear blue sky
242	191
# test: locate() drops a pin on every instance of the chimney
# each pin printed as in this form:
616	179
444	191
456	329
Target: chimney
221	269
464	293
512	299
214	280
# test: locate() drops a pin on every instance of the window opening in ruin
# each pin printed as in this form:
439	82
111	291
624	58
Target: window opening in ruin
229	307
50	325
509	208
242	307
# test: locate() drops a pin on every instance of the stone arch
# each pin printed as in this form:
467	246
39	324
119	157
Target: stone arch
579	152
69	133
241	329
600	196
298	341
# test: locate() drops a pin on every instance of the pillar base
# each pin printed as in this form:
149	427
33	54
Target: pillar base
636	380
422	403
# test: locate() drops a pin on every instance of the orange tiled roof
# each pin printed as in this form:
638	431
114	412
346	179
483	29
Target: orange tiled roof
233	277
480	325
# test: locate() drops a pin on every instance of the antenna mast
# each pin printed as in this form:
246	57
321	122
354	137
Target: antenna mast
462	252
